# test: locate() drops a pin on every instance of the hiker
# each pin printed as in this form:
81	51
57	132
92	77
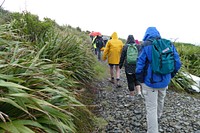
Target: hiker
99	45
130	68
94	45
91	37
112	52
137	42
154	85
105	39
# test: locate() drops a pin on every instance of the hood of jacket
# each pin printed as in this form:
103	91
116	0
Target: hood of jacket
114	35
151	33
130	39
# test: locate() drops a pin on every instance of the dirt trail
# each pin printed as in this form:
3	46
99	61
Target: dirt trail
181	111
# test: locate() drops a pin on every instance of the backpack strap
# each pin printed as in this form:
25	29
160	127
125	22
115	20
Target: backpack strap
147	63
151	79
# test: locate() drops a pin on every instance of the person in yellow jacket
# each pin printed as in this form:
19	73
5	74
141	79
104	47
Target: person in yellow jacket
112	53
94	45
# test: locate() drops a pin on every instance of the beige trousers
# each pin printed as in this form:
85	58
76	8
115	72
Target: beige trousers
154	102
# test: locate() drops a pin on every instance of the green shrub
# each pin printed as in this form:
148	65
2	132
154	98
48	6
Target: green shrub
190	57
30	27
38	82
4	16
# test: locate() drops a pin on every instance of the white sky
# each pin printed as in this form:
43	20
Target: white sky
173	18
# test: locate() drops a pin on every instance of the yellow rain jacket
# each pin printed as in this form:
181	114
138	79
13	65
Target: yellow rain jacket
94	43
113	50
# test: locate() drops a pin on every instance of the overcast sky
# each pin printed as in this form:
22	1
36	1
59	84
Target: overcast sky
174	19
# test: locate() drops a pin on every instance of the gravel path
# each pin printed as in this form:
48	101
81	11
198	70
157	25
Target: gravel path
181	111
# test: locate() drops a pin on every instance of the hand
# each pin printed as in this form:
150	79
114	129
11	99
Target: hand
173	74
140	77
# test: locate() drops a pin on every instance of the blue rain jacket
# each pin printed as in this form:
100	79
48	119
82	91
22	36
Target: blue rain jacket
143	67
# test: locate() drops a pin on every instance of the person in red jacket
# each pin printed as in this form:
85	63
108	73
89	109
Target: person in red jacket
137	42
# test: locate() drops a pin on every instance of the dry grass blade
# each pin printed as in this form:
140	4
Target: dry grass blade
3	116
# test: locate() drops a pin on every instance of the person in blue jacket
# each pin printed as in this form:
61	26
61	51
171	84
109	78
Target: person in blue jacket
154	92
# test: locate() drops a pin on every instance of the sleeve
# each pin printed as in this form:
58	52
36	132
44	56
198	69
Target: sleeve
141	63
177	62
139	47
106	50
103	43
122	57
94	40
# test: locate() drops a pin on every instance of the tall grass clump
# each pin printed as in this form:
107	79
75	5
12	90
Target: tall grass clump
190	58
39	78
5	16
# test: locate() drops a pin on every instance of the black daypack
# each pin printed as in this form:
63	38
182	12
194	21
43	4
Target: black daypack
99	42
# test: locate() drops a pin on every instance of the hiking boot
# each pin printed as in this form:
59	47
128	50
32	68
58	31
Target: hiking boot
131	98
112	80
118	83
118	86
159	120
140	96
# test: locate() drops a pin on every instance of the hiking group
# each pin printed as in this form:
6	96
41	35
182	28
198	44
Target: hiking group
149	67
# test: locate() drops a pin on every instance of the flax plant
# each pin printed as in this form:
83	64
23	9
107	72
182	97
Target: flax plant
189	55
37	81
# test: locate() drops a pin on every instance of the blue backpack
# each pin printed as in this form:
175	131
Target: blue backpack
163	61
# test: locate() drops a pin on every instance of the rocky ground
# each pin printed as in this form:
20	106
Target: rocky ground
181	111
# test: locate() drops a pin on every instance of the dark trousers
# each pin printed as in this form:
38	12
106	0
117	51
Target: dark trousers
99	53
132	82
